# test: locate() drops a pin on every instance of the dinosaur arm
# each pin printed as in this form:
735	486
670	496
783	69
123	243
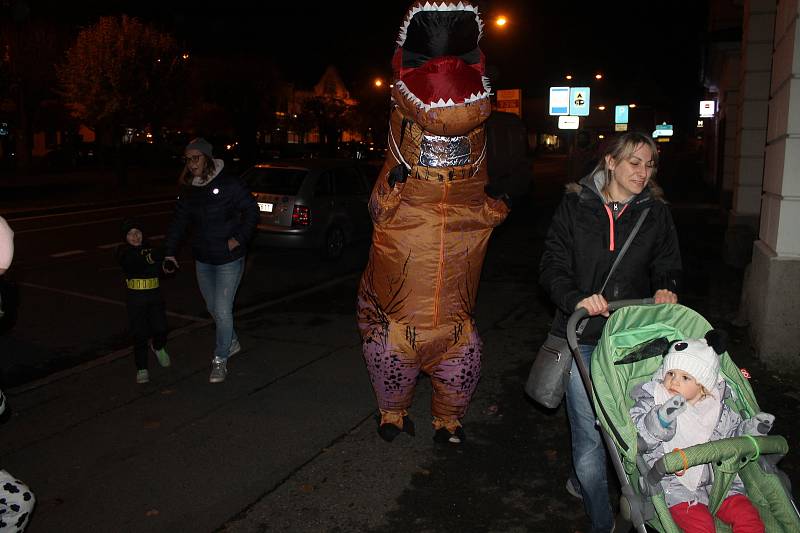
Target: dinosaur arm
494	211
384	199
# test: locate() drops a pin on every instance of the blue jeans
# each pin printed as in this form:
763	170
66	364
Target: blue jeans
218	284
588	450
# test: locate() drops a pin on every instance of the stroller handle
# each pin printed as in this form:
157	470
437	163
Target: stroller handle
581	313
734	449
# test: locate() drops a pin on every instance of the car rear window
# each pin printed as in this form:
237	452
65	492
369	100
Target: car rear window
275	180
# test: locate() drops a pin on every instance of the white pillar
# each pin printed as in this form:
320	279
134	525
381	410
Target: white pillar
754	84
773	285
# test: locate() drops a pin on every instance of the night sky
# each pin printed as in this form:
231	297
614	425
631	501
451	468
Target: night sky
645	49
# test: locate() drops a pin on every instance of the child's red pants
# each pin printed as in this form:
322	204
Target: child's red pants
735	510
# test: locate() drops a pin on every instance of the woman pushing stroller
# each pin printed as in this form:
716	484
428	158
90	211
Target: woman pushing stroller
587	234
683	405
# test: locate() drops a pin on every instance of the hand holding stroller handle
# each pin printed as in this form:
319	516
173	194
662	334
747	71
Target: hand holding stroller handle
580	313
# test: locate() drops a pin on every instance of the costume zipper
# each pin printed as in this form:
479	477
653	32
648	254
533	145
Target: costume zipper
440	273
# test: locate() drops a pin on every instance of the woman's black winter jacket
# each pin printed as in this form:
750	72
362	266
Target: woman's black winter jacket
221	209
579	253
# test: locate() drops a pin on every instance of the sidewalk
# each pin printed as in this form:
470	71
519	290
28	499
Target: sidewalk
288	442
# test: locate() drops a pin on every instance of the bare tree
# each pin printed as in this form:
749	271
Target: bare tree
121	71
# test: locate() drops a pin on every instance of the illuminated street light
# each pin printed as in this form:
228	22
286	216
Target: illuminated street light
378	82
632	106
568	76
601	107
598	76
501	21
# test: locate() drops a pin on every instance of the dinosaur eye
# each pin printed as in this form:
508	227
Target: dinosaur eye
681	346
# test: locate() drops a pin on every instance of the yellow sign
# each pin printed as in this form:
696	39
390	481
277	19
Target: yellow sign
510	101
620	127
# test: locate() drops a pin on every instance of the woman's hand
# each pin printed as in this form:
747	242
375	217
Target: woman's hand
232	244
594	305
170	264
663	296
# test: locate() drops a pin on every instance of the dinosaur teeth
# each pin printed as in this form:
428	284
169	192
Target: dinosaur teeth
428	6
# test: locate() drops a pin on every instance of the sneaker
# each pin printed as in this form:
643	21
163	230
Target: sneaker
219	371
142	376
162	356
235	348
574	488
443	436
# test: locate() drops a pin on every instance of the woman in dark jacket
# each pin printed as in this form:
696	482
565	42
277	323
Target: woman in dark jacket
592	223
223	214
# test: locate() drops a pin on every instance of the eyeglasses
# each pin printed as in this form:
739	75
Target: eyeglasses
192	158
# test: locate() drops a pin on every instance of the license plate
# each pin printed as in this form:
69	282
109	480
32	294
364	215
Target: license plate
266	207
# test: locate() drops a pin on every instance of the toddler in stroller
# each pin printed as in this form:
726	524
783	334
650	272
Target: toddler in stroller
629	354
683	405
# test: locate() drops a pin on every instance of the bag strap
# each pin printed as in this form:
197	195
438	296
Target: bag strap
622	251
625	248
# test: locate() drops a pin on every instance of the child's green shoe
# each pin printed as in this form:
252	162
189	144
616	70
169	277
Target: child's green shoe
161	354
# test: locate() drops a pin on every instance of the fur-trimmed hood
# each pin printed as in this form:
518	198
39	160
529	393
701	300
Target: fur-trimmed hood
595	181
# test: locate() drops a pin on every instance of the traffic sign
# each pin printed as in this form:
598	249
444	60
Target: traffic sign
559	100
662	130
579	101
706	108
568	122
621	114
509	101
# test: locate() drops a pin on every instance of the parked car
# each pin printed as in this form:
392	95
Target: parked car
310	203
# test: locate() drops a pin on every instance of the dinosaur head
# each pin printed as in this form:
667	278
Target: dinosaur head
439	68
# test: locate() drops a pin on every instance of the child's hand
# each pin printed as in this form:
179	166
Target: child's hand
169	264
669	411
760	424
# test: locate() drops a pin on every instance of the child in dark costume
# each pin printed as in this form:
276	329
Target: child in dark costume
146	313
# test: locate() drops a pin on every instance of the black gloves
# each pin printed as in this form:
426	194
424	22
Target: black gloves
398	174
496	192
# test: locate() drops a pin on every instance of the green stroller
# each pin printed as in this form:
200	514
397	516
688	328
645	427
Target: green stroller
632	325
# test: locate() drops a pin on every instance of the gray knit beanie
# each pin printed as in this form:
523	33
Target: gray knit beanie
202	146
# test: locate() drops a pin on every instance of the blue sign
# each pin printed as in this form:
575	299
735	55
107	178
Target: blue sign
579	101
621	114
559	100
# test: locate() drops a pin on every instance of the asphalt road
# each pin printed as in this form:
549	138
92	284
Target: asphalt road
71	293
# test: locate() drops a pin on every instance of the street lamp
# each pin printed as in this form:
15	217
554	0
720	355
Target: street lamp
501	21
598	76
378	82
568	76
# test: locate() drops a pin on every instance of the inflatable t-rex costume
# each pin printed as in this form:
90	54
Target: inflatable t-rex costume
432	218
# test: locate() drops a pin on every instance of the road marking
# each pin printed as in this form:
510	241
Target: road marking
102	300
87	223
69	253
200	323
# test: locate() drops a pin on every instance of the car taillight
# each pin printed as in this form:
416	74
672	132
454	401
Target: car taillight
301	216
